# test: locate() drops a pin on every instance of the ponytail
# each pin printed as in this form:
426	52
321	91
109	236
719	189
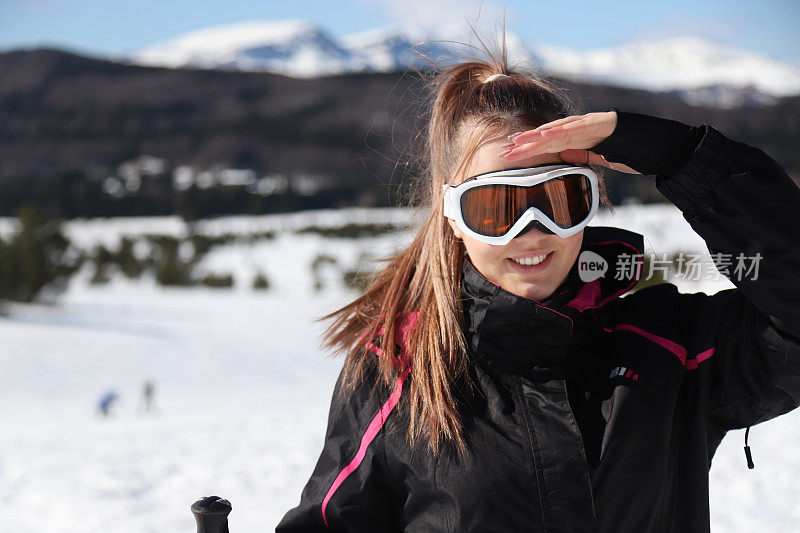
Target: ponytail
470	101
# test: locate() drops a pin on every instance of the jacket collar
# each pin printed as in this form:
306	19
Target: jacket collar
519	332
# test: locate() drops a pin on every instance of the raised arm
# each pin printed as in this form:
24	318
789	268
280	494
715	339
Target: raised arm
734	196
743	343
745	340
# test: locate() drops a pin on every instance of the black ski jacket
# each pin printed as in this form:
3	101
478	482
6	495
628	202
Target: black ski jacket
594	412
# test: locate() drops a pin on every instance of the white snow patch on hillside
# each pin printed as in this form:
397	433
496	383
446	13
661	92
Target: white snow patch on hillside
243	387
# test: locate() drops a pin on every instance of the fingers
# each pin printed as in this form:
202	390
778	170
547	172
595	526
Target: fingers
585	132
529	149
591	127
575	130
559	122
536	133
542	145
570	127
579	132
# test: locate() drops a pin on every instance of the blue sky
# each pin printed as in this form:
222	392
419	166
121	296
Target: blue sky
98	27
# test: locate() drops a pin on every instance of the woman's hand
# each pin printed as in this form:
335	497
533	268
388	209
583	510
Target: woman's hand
569	138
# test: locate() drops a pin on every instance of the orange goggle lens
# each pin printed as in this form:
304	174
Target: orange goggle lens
492	210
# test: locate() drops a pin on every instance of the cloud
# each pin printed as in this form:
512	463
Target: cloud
721	31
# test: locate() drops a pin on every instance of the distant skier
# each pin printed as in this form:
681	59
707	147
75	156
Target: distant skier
106	402
148	396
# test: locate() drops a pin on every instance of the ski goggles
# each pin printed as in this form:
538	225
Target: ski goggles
497	206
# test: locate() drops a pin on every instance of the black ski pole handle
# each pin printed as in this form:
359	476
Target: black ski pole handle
211	514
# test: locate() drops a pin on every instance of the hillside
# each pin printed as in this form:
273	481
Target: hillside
68	122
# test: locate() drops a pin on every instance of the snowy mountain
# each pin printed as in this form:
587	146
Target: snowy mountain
702	71
678	63
297	48
390	49
292	46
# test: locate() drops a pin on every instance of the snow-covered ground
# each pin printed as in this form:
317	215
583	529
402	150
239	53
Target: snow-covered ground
243	388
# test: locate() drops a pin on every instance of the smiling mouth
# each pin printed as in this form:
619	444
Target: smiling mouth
532	264
531	261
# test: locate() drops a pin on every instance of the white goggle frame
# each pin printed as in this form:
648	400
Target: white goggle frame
523	177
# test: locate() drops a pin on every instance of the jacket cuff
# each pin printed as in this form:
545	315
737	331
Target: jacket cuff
650	145
710	162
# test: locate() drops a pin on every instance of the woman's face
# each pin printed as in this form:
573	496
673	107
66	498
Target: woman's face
501	264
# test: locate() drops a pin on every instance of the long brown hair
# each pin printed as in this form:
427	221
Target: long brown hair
462	111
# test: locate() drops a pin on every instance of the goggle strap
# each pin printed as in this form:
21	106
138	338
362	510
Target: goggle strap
448	198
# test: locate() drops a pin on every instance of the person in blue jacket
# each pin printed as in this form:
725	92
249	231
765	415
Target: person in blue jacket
106	402
500	375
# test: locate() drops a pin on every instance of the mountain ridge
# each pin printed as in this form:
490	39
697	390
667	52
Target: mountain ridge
70	123
298	48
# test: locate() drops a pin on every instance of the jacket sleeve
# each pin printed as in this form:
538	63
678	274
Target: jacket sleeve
348	490
744	342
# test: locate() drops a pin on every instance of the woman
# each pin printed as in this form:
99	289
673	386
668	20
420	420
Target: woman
490	385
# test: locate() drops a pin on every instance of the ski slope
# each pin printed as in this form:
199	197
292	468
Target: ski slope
243	388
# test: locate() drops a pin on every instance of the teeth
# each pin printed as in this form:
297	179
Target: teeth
528	261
